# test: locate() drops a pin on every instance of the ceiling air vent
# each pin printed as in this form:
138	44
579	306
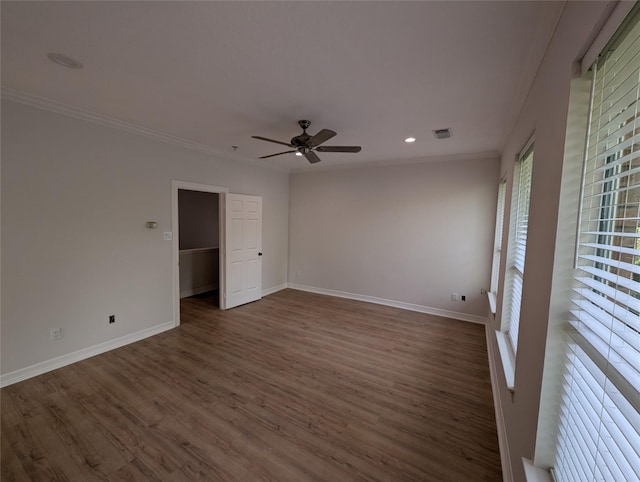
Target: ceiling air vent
442	133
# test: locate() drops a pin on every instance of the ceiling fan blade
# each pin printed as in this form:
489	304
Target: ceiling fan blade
272	140
273	155
311	157
323	136
339	149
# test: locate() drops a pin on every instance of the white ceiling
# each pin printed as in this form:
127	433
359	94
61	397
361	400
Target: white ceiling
216	73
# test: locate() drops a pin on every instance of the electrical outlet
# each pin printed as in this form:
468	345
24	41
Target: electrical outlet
112	319
298	274
56	334
483	291
454	296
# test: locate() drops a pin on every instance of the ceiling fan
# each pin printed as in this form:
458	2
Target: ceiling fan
305	145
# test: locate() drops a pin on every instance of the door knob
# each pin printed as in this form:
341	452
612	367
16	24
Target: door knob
259	254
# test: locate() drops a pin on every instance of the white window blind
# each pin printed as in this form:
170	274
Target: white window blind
599	429
519	243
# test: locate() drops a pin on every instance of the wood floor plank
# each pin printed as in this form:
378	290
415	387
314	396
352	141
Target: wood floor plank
294	387
11	468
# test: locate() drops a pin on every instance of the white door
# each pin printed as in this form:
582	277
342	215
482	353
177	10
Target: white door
243	246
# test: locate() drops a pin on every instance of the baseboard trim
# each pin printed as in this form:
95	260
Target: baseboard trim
82	354
197	291
396	304
274	289
505	456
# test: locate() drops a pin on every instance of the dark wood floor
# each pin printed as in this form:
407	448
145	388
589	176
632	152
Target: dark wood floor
294	387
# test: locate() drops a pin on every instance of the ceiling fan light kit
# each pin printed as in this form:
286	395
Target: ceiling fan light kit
305	144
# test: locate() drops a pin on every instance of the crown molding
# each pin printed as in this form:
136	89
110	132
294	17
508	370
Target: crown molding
21	97
472	156
14	95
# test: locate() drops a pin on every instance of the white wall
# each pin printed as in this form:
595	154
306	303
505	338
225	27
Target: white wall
545	114
199	223
411	233
75	197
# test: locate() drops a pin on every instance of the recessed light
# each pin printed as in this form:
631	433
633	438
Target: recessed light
410	139
65	61
298	153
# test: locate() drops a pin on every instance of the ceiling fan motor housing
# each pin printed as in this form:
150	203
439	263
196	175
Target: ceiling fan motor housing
301	141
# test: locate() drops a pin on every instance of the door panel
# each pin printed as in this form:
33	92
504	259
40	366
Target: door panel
236	273
252	274
243	249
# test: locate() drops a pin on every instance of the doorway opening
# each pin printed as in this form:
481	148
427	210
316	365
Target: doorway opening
198	244
199	249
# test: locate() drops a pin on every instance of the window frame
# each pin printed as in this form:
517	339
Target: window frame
598	395
504	339
518	244
497	246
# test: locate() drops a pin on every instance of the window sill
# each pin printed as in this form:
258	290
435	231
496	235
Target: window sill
508	359
535	474
492	302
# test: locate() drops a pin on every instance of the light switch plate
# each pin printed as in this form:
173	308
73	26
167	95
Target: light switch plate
168	236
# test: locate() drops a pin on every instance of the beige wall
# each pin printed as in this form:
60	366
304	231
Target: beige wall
75	197
199	271
545	114
410	233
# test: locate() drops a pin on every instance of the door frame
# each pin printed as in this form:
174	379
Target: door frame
175	248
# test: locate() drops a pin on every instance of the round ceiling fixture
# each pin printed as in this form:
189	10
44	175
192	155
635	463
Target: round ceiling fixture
64	60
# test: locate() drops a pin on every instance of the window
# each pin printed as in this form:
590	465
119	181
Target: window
518	245
497	246
599	422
